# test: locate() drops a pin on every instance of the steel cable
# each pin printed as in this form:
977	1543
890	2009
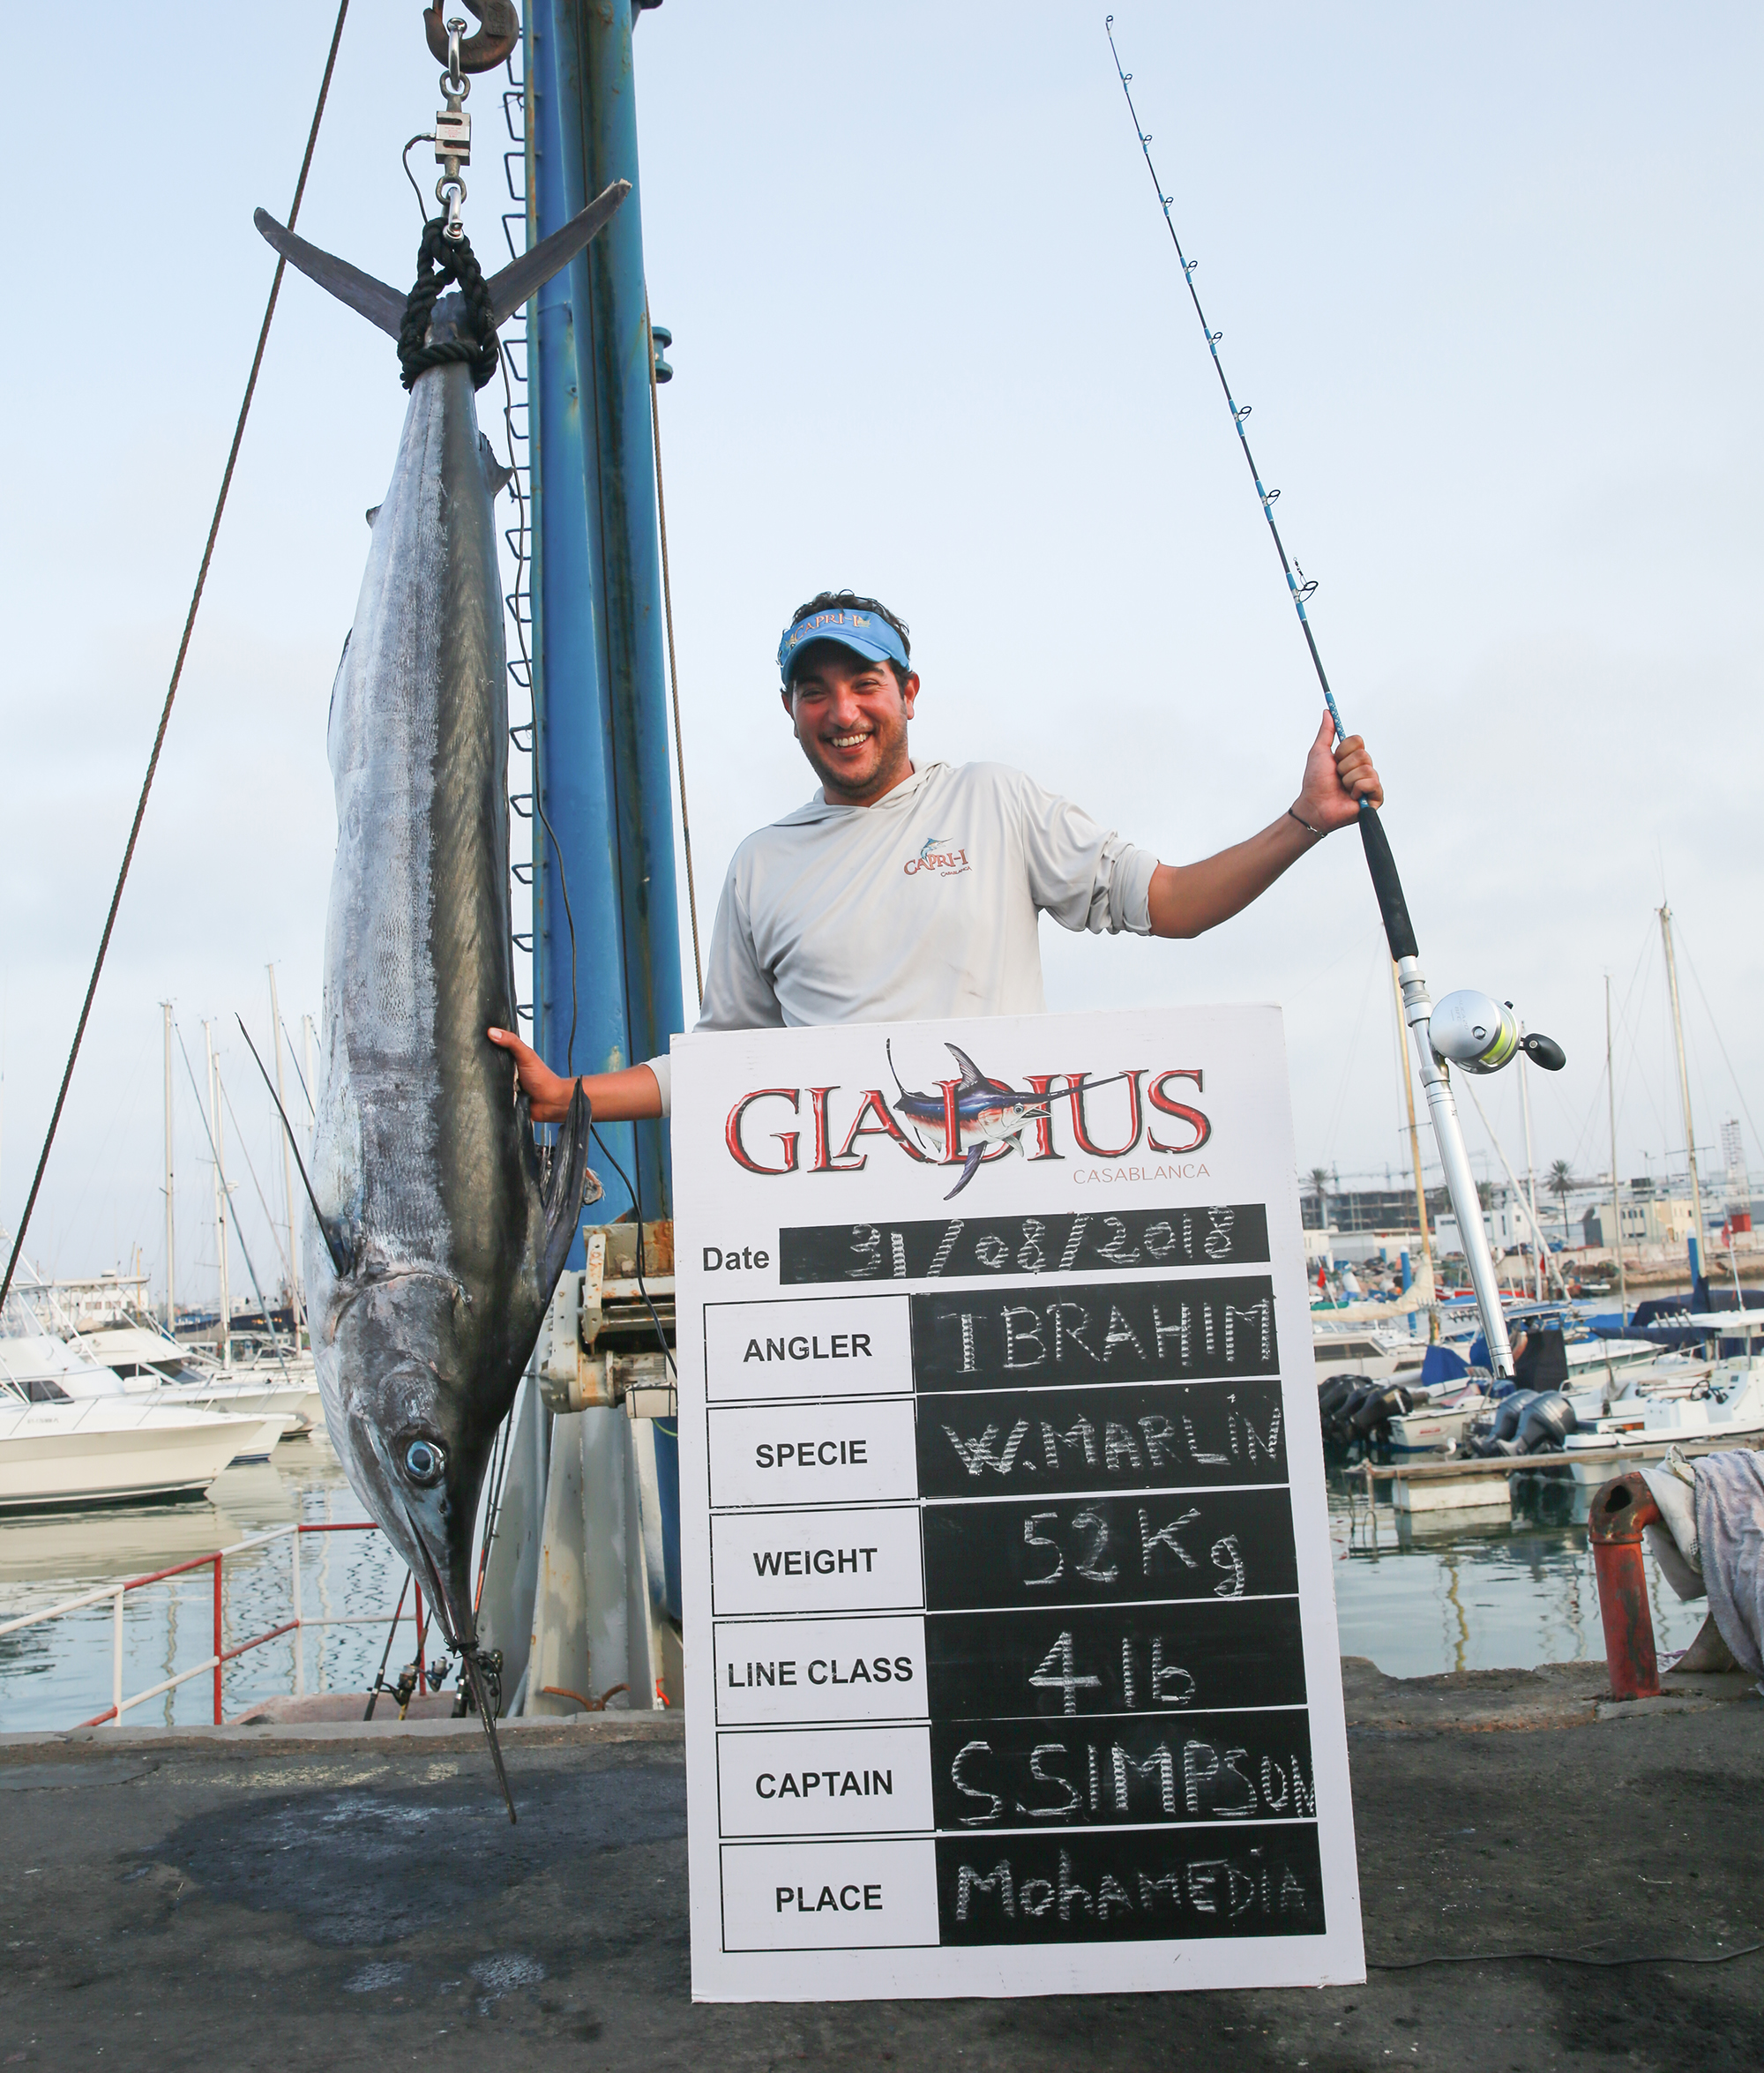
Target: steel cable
177	669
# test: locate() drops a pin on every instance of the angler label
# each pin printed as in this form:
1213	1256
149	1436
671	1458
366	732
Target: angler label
1012	1664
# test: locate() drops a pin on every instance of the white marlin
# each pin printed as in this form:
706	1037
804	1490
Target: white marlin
437	1240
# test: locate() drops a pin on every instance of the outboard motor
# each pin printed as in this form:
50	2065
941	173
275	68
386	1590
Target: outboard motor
1505	1438
1333	1395
1546	1423
1383	1402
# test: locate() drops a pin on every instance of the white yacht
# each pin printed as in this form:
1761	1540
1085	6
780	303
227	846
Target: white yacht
105	1447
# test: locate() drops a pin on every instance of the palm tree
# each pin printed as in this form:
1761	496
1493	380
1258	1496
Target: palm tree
1320	1185
1560	1181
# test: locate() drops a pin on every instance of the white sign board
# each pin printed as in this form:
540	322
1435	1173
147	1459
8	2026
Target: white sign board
1010	1631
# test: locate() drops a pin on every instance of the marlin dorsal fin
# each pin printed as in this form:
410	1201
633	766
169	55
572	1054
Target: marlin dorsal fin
972	1077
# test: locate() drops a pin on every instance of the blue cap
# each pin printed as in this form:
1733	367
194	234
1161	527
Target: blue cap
865	633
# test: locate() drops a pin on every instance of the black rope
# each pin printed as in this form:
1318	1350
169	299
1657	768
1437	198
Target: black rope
176	675
441	259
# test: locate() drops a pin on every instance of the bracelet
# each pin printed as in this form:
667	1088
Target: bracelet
1305	825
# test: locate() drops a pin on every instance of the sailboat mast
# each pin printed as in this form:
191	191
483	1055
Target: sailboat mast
171	1222
294	1302
1415	1161
226	1326
1616	1209
1684	1096
1531	1181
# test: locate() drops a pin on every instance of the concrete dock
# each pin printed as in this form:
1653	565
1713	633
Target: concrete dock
329	1896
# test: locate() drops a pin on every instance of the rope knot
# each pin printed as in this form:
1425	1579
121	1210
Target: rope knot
439	261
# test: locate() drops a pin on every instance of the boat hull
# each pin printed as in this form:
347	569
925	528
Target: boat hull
55	1457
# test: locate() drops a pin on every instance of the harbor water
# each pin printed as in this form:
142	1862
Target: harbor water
1468	1595
59	1674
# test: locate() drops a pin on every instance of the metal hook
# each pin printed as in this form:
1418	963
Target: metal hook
481	53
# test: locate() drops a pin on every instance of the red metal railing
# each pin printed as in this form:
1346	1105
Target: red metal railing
216	1662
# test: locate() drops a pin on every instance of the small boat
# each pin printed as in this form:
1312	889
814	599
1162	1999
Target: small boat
112	1450
161	1371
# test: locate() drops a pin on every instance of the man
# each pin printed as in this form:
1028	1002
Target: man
902	892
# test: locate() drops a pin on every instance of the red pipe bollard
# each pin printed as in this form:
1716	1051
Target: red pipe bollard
1621	1509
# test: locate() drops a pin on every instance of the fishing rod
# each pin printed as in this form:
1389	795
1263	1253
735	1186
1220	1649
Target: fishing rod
1468	1029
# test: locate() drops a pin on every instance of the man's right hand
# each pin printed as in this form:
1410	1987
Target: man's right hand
548	1093
615	1097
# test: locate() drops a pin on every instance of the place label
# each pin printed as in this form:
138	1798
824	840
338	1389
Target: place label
803	1670
822	1346
828	1562
1151	1240
813	1454
842	1896
840	1781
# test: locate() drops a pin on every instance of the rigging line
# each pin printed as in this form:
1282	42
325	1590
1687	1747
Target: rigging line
673	667
227	1196
1715	1026
281	1249
287	1037
178	666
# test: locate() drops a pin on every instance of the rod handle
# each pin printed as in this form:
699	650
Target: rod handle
1398	929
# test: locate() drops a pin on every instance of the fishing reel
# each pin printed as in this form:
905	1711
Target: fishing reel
1482	1036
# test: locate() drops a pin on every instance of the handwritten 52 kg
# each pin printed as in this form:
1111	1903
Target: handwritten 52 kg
1085	1540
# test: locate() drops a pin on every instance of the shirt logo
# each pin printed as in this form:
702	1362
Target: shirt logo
938	855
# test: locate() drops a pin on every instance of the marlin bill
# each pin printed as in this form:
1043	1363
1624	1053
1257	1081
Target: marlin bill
436	1236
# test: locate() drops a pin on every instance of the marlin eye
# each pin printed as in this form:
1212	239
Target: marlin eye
424	1462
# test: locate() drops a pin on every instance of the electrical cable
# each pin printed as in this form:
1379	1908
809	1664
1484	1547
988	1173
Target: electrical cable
673	667
660	1336
1553	1957
178	668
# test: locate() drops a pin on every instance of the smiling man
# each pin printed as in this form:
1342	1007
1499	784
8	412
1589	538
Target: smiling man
905	893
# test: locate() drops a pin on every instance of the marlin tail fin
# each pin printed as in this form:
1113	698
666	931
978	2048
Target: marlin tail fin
514	285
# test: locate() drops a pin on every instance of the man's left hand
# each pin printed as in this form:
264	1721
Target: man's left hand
1335	781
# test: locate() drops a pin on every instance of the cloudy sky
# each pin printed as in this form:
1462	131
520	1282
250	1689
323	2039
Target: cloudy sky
1487	277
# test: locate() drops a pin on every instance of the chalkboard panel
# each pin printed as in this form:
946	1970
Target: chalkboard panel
1043	1441
1162	1660
1159	1331
1047	1775
1224	1235
1084	1551
1131	1886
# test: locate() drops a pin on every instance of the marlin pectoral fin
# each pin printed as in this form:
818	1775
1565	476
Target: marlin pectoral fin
969	1169
564	1196
495	475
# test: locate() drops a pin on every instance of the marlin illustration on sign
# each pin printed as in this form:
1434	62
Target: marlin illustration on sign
437	1234
968	1114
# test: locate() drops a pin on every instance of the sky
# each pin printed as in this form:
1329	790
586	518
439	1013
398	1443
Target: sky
1487	278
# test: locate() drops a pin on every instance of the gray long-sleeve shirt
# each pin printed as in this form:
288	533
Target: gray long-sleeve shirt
921	906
